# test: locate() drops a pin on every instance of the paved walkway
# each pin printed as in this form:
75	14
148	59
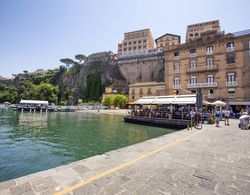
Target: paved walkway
208	161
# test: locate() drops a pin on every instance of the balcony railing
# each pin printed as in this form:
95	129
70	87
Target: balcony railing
231	95
176	86
202	68
192	55
210	96
202	85
210	52
231	83
230	49
231	65
177	71
176	57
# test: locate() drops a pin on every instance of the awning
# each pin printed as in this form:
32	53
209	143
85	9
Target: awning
239	103
34	102
164	100
145	100
185	99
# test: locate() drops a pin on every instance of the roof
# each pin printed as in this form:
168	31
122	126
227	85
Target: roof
241	33
169	35
172	99
34	102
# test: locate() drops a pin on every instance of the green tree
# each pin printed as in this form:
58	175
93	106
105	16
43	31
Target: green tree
25	90
7	94
46	91
120	100
108	101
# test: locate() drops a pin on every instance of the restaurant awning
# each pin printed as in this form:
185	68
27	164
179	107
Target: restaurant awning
34	102
147	100
167	100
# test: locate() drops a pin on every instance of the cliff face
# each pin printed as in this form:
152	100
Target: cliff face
82	80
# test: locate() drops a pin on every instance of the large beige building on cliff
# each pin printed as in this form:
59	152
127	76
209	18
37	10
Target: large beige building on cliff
136	42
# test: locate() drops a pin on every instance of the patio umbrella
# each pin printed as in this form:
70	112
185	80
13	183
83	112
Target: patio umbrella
244	116
219	103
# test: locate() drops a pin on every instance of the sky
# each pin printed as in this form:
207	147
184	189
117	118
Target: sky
37	34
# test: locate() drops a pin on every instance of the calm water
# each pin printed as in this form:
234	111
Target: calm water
32	142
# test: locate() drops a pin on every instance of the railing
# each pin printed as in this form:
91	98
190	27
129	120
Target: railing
177	71
230	49
210	96
192	55
231	83
231	65
176	57
231	95
202	85
202	68
210	52
176	86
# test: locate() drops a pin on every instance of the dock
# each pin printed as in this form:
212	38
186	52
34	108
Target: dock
208	161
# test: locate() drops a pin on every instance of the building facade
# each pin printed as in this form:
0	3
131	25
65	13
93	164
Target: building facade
194	31
215	62
142	68
138	90
136	42
167	40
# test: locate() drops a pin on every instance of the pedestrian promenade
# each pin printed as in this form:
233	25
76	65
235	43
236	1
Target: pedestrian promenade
208	161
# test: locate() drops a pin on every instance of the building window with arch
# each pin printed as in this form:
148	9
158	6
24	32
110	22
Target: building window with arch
210	50
193	80
231	79
230	46
177	67
177	82
210	78
230	58
210	62
192	52
193	64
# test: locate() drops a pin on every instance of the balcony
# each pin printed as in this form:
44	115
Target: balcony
210	96
231	83
202	85
230	49
209	52
202	69
177	71
176	86
176	57
192	55
231	65
231	95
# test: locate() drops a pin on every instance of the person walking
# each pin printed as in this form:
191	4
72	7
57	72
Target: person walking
227	115
217	117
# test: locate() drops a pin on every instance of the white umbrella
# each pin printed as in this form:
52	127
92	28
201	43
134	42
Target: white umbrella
244	116
219	103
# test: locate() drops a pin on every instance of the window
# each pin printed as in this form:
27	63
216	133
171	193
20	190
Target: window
230	44
177	81
144	46
149	91
129	48
210	91
193	80
134	42
139	41
210	62
125	44
196	34
139	47
134	48
210	78
192	51
193	64
141	91
231	77
133	91
230	58
176	54
133	97
176	66
129	43
144	41
210	50
191	35
124	49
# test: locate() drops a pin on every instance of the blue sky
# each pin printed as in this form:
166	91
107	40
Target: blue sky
37	34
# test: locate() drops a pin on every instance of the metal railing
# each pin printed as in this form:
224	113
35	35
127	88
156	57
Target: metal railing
202	85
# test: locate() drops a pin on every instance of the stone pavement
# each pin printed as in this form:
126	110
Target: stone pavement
208	161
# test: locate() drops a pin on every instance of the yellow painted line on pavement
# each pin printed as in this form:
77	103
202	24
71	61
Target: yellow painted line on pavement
117	168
